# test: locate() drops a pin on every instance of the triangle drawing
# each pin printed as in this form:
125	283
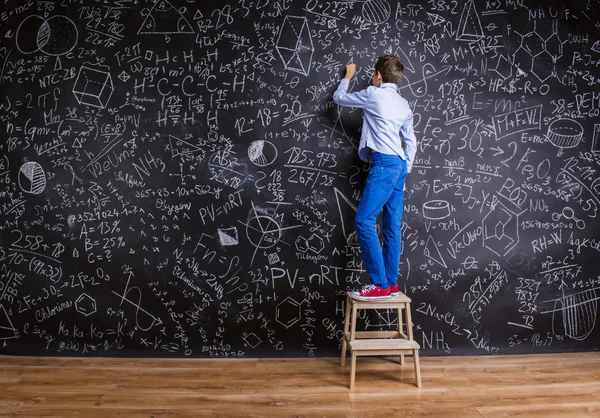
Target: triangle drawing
469	28
433	252
7	329
346	216
405	59
181	147
228	236
435	19
164	19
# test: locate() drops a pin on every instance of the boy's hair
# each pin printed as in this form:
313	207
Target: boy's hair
390	67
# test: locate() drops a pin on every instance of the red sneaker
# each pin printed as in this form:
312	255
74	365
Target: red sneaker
394	290
372	292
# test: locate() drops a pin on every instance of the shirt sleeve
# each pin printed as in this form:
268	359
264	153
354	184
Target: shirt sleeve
410	141
343	98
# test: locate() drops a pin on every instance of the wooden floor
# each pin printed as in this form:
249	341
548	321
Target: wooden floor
558	385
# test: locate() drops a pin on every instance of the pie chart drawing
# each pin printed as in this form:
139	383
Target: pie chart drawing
262	153
32	178
263	231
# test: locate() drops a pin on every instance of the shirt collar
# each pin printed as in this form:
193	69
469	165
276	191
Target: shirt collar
389	86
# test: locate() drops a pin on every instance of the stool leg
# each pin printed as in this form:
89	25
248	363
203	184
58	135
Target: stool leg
417	367
352	335
409	330
346	328
352	370
400	333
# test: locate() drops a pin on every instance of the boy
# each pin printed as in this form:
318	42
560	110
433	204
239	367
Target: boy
386	114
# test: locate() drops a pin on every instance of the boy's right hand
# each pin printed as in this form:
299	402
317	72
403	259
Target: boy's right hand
350	71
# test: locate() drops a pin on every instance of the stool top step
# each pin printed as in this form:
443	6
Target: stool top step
401	298
384	344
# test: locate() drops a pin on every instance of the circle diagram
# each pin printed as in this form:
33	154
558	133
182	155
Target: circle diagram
376	11
263	231
32	178
55	36
30	34
262	153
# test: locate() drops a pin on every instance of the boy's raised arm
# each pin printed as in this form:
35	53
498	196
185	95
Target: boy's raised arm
343	98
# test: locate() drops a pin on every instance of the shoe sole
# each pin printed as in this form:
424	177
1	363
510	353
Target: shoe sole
395	294
358	297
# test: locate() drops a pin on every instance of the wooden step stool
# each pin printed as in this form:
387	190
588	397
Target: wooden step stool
379	343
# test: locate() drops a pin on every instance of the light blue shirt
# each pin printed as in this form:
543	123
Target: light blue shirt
386	115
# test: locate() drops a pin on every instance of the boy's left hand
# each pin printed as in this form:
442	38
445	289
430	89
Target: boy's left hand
350	71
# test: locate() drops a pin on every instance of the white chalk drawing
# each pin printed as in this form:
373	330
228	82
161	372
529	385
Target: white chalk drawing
537	54
141	315
124	76
569	215
347	217
435	19
469	27
419	87
262	153
553	44
180	147
386	318
273	258
376	11
288	312
432	251
85	304
165	19
294	45
406	61
500	229
263	229
251	339
228	236
596	46
29	37
578	313
7	329
436	209
596	138
313	244
504	68
62	36
565	133
32	178
93	86
54	36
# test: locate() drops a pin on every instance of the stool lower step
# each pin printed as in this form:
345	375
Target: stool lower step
382	344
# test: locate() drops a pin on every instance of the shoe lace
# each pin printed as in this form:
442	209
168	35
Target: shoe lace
368	288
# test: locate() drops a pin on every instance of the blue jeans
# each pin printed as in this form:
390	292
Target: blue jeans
384	190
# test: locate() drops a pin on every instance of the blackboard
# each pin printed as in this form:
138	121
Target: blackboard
176	180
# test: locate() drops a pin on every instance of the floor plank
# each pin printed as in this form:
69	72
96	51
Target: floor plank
549	385
134	399
570	410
